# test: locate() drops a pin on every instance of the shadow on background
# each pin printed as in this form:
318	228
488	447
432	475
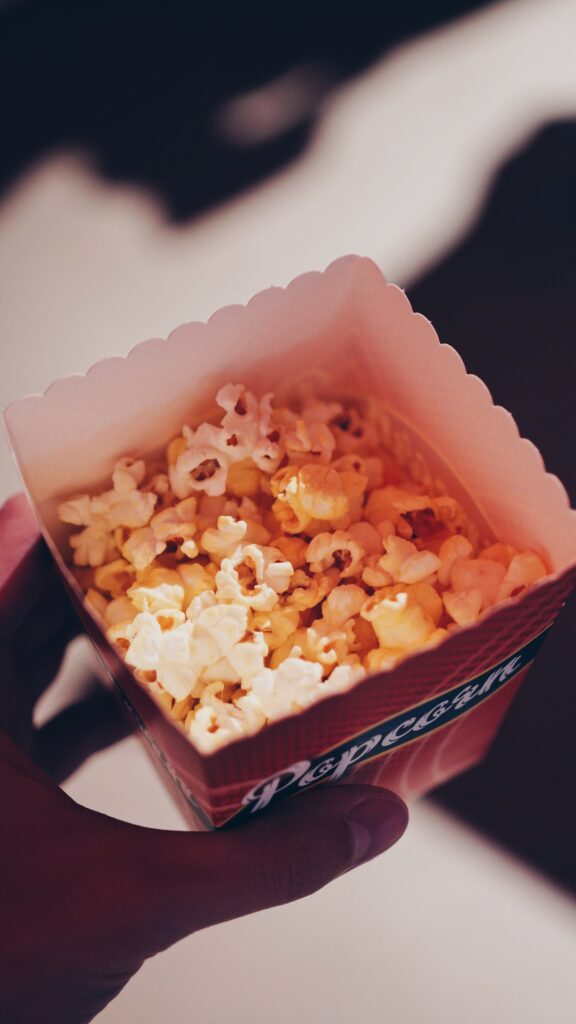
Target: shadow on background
505	299
150	90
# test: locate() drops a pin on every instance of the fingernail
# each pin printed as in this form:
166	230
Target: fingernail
376	824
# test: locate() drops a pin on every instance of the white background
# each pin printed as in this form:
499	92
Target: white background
445	928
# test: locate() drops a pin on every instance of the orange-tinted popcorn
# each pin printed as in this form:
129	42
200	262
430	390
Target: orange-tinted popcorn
275	557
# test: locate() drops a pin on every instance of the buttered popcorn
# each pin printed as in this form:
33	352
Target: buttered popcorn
276	557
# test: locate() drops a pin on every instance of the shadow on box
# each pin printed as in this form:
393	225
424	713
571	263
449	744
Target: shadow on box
505	299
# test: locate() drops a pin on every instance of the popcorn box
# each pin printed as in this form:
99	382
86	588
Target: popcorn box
340	333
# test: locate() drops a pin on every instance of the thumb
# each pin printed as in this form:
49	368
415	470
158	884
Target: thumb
202	879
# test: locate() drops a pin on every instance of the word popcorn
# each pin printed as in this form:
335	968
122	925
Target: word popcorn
274	559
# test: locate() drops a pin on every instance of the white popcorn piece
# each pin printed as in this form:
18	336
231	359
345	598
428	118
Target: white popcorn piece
398	551
216	722
293	686
203	466
224	624
205	599
418	567
120	610
92	546
524	570
243	661
321	412
250	426
464	606
222	541
343	603
399	622
451	550
264	577
196	579
167	652
309	443
78	512
157	589
142	547
125	508
367	536
343	677
128	474
176	523
483	574
339	549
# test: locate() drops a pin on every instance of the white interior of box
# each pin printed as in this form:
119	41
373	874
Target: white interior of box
347	333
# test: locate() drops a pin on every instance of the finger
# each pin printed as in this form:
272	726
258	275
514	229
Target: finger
189	882
52	615
23	562
82	729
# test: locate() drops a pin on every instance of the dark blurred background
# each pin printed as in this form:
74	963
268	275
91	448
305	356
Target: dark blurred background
151	92
139	86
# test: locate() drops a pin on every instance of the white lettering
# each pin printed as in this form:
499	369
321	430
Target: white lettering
500	674
353	754
511	667
317	772
394	735
261	794
464	697
436	712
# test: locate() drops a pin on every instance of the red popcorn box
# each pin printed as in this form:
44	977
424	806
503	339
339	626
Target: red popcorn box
344	332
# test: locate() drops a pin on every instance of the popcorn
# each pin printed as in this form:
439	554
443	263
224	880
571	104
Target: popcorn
157	589
249	423
308	591
353	433
115	577
197	579
263	577
128	474
274	558
524	570
223	541
243	479
203	465
120	610
478	574
343	603
77	511
293	686
92	546
276	625
399	621
367	537
418	567
131	508
309	492
175	524
312	442
451	550
398	551
142	547
464	606
338	549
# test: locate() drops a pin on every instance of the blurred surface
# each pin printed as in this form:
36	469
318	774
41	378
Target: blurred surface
400	166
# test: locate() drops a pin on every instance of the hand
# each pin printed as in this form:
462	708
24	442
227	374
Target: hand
84	898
